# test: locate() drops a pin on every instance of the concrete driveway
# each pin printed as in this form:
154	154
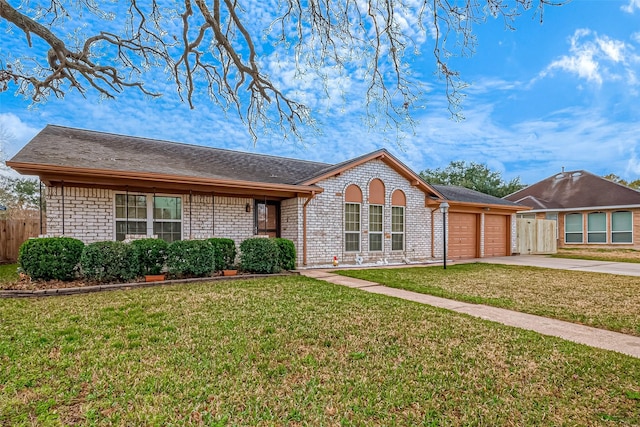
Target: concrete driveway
621	268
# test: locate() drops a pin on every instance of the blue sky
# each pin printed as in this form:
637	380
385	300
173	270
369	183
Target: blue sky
564	93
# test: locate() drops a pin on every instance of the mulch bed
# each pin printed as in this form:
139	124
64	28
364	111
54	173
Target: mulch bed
29	288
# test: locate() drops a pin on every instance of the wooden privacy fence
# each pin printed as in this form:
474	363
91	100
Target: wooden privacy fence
13	232
536	236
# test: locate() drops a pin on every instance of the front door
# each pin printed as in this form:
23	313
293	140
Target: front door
267	218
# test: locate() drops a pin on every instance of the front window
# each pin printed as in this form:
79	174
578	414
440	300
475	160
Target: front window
621	227
375	228
597	227
397	228
352	227
147	215
573	228
167	218
131	215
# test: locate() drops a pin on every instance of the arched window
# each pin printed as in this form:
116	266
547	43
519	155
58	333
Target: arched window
376	215
352	203
573	228
622	227
597	227
398	203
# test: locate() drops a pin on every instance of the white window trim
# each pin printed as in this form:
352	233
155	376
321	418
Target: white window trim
404	229
605	231
344	228
149	218
612	232
574	232
381	232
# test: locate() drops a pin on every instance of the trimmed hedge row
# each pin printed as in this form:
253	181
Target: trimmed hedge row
65	258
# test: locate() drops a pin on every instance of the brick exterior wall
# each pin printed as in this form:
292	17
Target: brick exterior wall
636	230
325	218
89	215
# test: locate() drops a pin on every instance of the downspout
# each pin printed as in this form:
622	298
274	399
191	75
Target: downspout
41	207
190	214
304	228
62	182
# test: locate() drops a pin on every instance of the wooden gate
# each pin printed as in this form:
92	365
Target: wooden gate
536	236
13	232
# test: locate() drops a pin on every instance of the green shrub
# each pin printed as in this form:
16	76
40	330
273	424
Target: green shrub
287	257
260	255
152	254
51	258
190	258
109	262
224	253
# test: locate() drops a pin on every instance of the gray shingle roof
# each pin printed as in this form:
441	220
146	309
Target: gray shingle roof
462	194
575	189
68	147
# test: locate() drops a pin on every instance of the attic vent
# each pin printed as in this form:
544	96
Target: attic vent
560	176
576	174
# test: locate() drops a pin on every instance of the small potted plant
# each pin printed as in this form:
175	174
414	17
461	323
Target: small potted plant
151	254
231	270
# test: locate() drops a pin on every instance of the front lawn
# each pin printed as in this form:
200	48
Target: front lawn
293	351
595	254
602	300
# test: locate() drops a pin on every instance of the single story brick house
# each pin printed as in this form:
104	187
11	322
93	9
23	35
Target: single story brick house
369	209
590	211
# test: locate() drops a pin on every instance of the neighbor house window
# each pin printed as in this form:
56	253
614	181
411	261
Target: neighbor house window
621	227
353	201
573	228
375	227
147	215
398	202
597	227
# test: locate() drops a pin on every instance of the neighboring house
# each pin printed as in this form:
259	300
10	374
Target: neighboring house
589	210
102	186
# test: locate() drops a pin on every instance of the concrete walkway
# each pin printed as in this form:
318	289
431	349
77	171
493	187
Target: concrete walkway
622	343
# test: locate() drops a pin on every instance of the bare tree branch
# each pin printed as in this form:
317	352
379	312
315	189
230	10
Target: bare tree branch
214	44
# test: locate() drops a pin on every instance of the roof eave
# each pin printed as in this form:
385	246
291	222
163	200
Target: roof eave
53	173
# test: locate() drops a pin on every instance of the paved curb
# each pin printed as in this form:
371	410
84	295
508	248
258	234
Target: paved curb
594	337
10	293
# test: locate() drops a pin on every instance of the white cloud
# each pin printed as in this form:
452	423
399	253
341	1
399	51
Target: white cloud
15	132
632	6
597	59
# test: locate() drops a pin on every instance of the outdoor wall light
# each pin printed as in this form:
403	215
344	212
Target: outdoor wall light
444	208
247	207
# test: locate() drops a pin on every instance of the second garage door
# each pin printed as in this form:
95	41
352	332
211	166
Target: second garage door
463	235
495	235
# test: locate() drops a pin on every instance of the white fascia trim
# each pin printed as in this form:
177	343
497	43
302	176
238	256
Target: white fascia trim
591	208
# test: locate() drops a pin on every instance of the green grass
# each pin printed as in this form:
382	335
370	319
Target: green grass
8	273
595	299
293	351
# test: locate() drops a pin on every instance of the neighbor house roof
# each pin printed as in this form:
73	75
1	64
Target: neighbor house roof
466	195
575	190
